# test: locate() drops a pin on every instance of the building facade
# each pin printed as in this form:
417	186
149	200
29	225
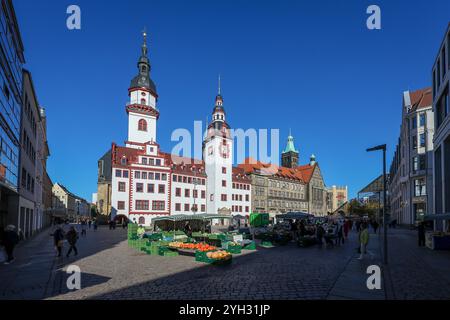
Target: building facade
104	187
11	79
147	182
441	108
411	179
288	188
337	197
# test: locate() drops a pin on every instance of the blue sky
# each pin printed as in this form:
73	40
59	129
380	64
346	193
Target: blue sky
311	66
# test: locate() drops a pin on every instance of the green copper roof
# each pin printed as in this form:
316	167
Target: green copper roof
290	145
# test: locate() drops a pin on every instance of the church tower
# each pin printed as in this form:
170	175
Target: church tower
141	109
289	157
218	157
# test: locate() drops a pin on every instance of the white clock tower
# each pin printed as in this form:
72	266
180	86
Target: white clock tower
218	157
142	111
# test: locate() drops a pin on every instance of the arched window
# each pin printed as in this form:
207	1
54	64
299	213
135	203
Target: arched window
142	126
141	220
143	101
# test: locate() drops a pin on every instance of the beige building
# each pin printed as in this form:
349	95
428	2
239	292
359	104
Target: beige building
104	179
337	197
64	202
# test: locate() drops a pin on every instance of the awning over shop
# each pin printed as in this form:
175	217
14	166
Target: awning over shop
441	216
294	215
185	217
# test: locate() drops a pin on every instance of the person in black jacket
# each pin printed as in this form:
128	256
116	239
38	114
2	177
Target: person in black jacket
72	237
10	239
421	234
58	238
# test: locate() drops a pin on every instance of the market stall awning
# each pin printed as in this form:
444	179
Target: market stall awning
441	216
294	215
186	217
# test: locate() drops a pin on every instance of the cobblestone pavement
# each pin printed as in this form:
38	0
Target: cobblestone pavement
416	272
112	270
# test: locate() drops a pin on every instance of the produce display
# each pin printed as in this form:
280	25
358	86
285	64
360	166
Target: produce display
219	255
192	246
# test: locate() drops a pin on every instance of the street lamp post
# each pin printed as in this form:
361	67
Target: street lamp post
383	148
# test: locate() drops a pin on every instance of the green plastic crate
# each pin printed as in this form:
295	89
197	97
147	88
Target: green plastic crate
250	246
234	249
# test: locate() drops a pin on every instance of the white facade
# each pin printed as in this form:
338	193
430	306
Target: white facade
147	183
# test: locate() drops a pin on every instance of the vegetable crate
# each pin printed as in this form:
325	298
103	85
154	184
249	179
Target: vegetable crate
266	244
250	246
234	249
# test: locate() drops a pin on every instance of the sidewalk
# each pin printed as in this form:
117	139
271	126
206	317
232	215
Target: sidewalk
352	283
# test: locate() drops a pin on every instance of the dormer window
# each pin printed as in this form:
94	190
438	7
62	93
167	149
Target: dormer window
123	161
142	125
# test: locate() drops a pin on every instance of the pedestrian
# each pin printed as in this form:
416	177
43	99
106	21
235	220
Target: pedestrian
340	233
293	230
124	223
346	228
10	240
421	234
320	231
89	223
58	239
83	228
110	224
364	241
358	226
95	225
188	229
375	226
72	237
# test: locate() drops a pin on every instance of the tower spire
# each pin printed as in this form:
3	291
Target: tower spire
144	44
219	85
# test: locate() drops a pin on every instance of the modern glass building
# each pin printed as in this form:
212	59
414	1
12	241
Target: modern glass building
11	62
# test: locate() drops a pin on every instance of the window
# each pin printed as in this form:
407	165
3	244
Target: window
224	183
174	178
224	170
157	176
177	192
203	194
177	206
161	188
143	101
158	162
422	119
142	125
422	140
141	220
137	174
125	173
187	193
414	142
247	198
144	175
203	207
118	173
152	161
144	160
164	176
24	177
414	122
186	207
223	197
158	205
151	176
420	188
142	205
150	188
120	205
194	193
247	209
122	187
123	161
139	187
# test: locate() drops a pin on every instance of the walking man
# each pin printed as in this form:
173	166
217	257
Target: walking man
72	237
421	234
58	239
10	239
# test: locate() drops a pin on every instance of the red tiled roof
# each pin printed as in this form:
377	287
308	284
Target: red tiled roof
421	98
302	173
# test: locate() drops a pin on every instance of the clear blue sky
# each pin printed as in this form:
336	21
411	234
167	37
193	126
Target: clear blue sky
312	66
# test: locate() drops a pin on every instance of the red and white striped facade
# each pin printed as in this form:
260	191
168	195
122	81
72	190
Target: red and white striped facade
147	182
